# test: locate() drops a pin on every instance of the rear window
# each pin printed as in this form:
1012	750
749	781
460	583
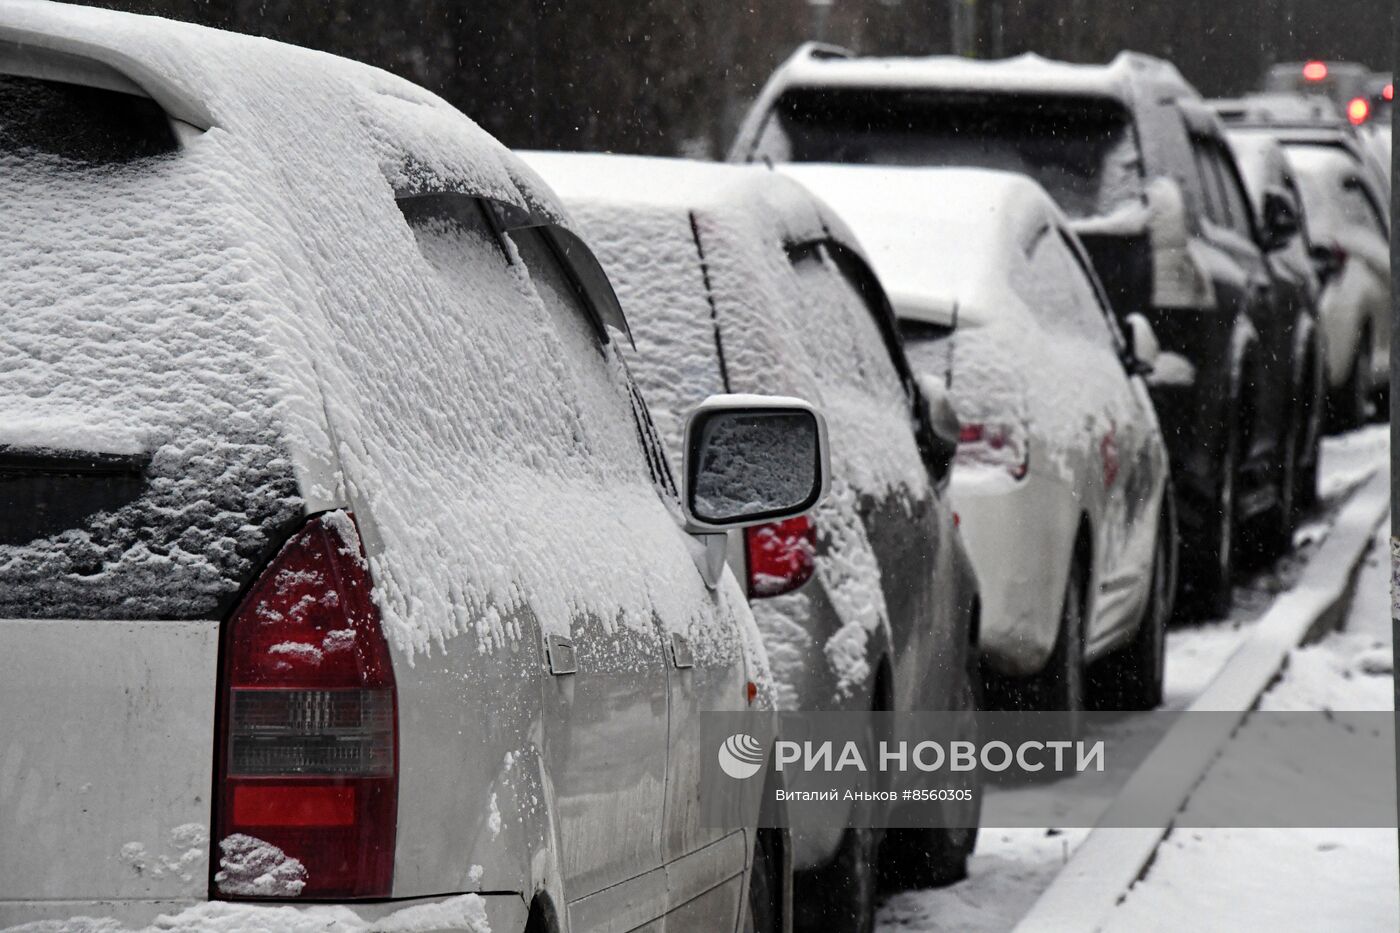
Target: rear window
80	125
1082	150
142	475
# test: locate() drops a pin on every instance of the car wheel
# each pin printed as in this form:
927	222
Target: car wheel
765	913
1213	566
1275	537
911	859
1060	685
1350	401
1131	678
840	896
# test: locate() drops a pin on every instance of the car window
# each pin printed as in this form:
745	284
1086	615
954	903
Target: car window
1214	198
839	330
1054	287
1083	150
1234	198
1356	206
566	304
555	347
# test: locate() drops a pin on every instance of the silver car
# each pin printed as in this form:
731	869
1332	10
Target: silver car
737	280
342	580
1061	479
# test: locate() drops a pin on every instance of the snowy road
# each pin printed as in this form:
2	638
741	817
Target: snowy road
1011	867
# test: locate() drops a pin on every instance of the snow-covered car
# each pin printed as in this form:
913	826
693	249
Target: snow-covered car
1343	180
735	279
342	581
1061	481
1349	221
1273	190
1132	155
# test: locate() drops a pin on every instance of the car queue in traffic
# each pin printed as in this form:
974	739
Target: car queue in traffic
431	492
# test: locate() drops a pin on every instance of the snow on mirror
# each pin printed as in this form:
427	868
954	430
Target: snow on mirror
748	465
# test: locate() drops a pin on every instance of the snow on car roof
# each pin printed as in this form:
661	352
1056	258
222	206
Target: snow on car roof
939	238
1028	73
204	77
793	214
259	290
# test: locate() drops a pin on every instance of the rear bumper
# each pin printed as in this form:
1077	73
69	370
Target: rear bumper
473	913
1018	535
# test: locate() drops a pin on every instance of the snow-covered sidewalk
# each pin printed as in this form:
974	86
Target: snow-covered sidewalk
1013	866
1291	879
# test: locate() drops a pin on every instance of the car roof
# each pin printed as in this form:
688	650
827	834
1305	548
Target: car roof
204	77
1278	109
1029	73
792	212
939	238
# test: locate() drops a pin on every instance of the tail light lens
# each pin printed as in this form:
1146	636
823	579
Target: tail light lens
1315	71
308	743
997	444
1358	110
781	556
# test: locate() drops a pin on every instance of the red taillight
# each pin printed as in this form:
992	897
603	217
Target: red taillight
1388	92
991	444
1315	71
1358	109
308	743
781	556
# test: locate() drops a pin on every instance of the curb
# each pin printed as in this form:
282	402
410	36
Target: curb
1110	861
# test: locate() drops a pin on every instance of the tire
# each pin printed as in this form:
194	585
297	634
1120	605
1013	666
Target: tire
1212	579
841	896
1275	527
1351	399
912	859
765	914
1060	684
1132	677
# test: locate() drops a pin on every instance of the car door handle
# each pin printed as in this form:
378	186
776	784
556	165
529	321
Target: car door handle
562	657
681	655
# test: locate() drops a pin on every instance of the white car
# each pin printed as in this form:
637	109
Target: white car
341	582
1349	224
869	605
1061	479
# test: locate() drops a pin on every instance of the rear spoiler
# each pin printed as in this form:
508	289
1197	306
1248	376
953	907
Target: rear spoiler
48	57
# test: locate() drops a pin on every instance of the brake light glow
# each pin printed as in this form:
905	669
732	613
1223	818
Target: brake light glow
1358	110
781	556
1001	445
1388	92
308	741
1315	71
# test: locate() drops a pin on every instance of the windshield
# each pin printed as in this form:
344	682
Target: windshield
1082	150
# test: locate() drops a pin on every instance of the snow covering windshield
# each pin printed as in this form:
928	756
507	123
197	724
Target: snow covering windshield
1082	150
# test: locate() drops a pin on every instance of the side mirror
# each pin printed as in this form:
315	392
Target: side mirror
944	427
1281	223
751	459
1178	280
1143	348
1328	259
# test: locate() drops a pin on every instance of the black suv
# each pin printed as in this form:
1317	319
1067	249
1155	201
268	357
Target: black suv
1133	155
